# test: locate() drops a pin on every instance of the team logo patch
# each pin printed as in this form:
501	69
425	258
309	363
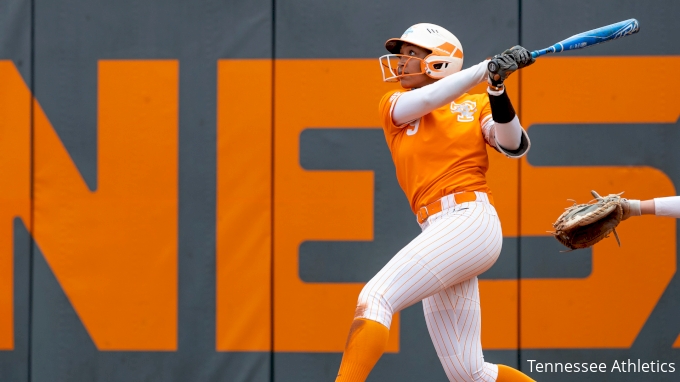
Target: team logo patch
466	110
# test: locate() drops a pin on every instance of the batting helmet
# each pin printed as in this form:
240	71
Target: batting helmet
446	57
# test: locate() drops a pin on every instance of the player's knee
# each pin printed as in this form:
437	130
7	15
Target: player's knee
477	373
373	305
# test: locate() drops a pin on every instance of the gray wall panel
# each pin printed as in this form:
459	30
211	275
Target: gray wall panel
544	23
71	36
394	223
15	45
14	363
547	22
653	145
63	350
359	29
15	35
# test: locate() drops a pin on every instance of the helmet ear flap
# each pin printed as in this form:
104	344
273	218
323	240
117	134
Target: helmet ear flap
431	69
439	67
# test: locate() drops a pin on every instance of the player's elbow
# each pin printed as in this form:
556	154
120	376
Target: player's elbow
509	135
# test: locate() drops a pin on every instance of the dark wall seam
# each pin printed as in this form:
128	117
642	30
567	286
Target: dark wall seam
272	175
31	248
519	204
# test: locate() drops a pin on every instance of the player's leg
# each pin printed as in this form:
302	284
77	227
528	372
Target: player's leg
453	318
365	345
454	323
458	245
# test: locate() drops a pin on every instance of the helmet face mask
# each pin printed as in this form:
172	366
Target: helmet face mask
392	70
446	55
436	67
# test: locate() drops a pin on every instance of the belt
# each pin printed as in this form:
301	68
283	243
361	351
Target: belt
436	206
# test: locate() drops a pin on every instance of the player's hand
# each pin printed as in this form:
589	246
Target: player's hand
521	56
500	68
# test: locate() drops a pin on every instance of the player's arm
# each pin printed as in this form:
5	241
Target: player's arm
501	126
504	130
414	104
668	206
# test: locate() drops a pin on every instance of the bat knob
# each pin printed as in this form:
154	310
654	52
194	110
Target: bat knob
492	66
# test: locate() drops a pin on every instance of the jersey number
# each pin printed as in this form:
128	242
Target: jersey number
415	125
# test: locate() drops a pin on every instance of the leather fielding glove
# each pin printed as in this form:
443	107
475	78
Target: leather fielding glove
583	225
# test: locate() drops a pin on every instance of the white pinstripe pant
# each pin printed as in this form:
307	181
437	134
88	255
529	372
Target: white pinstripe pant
440	268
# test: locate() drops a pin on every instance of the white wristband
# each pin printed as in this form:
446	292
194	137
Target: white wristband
634	207
495	92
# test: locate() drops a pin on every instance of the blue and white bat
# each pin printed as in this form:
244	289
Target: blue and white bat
592	37
585	39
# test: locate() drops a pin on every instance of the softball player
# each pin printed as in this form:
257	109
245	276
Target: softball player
437	135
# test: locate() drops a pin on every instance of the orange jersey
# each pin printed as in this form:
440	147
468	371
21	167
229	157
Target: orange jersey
441	153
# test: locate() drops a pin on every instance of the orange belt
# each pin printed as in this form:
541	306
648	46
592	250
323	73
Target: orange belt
436	206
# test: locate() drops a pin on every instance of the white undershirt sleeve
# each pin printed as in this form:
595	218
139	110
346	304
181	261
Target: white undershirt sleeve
509	135
490	129
669	206
414	104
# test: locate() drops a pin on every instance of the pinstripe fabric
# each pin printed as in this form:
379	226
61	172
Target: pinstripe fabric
454	321
440	266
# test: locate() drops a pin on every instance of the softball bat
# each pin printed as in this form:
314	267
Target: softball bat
585	39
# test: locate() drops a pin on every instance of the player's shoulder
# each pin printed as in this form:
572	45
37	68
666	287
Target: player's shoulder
387	101
391	95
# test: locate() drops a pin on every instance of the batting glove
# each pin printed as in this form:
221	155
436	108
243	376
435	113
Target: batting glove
521	56
500	68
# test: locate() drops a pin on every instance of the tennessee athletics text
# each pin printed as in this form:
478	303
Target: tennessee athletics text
627	366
